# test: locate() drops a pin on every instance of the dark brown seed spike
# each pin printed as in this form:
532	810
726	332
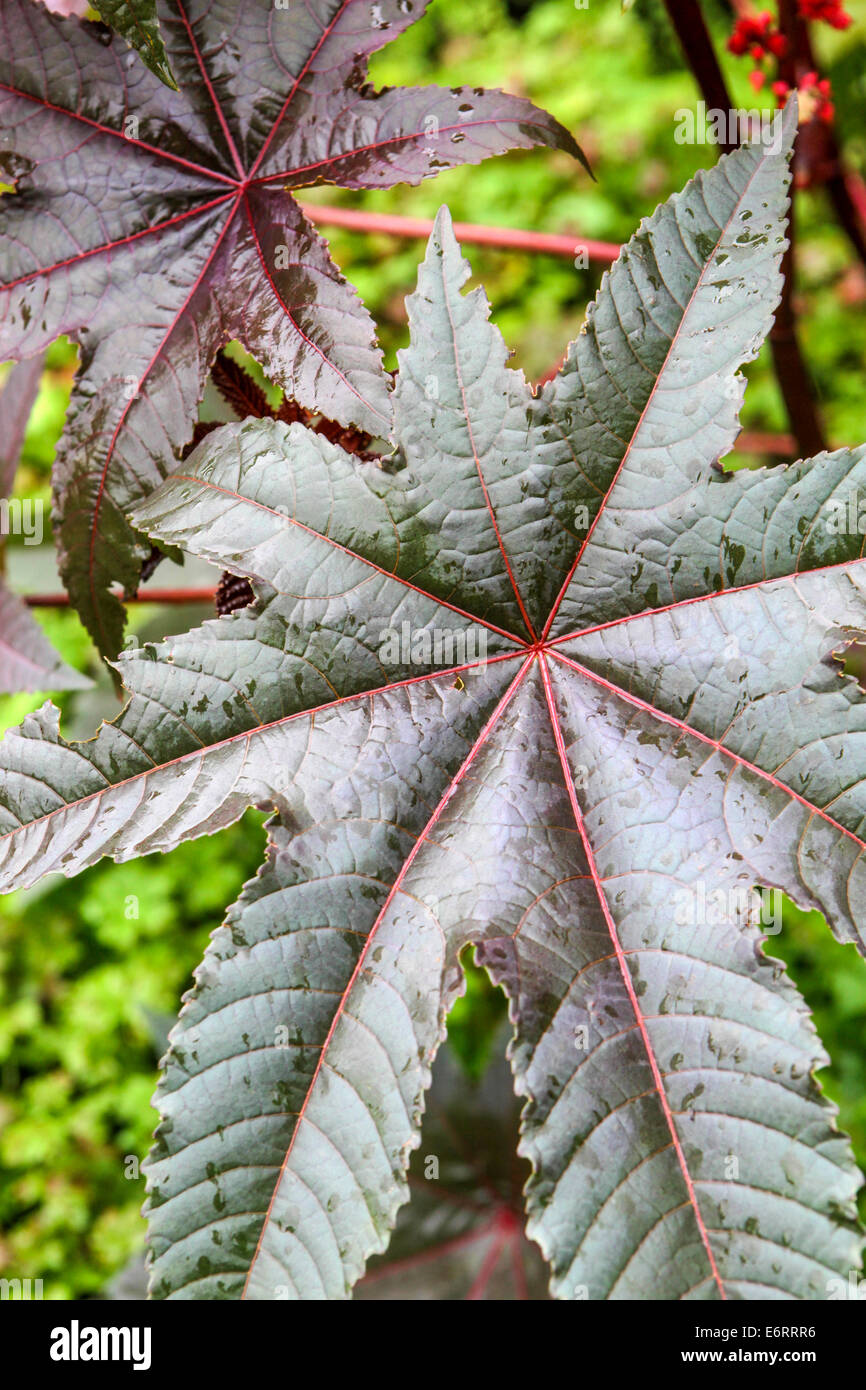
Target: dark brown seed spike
351	440
233	592
201	431
238	389
290	412
149	565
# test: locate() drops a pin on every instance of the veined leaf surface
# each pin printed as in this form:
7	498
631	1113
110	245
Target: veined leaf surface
153	225
655	722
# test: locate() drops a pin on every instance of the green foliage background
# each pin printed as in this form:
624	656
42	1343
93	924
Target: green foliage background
92	970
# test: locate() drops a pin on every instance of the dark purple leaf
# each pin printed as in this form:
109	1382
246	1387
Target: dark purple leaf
152	226
27	659
461	1235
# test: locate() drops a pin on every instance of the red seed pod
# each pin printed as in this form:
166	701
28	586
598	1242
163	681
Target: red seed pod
828	11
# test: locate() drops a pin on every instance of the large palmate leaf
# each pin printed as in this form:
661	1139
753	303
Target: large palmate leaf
27	659
153	225
546	680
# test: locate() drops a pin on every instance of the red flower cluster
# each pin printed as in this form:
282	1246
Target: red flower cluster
830	11
817	90
815	97
756	35
759	37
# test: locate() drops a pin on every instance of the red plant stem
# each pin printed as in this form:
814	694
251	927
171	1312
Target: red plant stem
793	378
847	193
691	30
790	367
506	238
791	370
491	1260
177	596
